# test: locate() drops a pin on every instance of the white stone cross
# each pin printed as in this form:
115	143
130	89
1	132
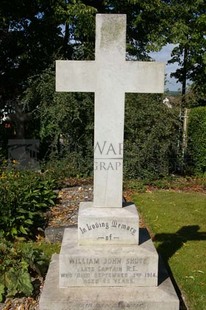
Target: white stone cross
110	76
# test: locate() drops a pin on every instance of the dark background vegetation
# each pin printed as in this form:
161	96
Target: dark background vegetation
33	34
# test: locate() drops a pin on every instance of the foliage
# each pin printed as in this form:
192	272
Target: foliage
24	196
195	96
73	165
66	120
197	140
34	34
187	32
177	224
29	33
22	264
33	31
179	184
172	182
67	126
151	137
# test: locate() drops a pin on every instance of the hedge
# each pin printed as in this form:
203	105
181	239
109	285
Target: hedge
197	140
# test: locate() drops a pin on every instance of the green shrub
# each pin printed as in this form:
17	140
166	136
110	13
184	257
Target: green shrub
196	150
65	119
150	138
24	197
72	165
21	264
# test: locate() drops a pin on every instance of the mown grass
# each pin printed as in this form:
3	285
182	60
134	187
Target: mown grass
176	221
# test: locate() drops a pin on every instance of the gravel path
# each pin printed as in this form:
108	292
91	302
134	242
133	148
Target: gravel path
65	212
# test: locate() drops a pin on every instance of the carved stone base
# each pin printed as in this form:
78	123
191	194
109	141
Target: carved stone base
161	297
107	265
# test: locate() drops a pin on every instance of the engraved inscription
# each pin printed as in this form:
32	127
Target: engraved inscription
114	227
84	260
107	270
108	237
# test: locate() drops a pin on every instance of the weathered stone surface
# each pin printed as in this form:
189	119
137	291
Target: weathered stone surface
107	225
55	234
110	76
108	265
162	297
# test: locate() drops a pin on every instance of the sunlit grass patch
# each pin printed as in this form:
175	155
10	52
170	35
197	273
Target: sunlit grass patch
177	224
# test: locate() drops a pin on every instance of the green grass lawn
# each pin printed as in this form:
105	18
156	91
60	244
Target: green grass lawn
177	222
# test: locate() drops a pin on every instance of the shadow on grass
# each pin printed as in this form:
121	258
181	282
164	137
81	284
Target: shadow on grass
171	243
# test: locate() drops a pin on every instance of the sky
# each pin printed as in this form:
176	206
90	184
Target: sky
163	56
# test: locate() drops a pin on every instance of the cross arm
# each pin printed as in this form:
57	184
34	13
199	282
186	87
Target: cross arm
75	76
144	77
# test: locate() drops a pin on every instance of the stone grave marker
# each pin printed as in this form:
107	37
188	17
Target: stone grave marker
110	76
105	263
25	152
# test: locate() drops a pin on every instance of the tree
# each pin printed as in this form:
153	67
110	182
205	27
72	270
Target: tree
187	31
30	36
29	39
65	119
36	33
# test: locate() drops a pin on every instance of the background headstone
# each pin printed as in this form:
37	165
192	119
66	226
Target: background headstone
24	152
